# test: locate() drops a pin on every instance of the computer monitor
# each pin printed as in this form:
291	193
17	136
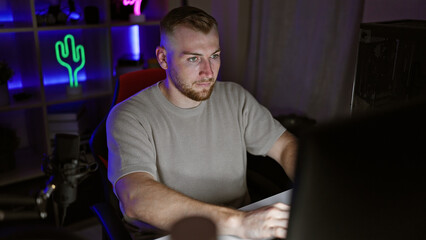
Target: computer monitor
362	178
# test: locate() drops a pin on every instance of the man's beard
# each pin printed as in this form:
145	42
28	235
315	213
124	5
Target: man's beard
187	89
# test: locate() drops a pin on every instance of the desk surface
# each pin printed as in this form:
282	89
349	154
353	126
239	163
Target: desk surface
284	197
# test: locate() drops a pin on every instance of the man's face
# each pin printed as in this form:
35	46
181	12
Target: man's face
193	62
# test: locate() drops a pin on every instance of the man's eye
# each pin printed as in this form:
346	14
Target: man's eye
192	59
214	56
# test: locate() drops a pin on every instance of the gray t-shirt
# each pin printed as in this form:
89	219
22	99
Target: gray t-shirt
200	152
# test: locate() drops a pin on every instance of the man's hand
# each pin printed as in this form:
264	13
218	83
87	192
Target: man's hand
266	222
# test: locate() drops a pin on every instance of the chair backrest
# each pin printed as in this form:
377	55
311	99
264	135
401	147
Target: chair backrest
127	85
132	82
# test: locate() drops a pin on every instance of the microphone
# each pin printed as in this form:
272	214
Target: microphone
66	156
66	172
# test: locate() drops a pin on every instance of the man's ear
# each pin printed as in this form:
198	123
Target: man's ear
161	57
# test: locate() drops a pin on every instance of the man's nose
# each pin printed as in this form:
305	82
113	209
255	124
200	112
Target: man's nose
206	69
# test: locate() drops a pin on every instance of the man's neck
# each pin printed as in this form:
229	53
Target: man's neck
175	96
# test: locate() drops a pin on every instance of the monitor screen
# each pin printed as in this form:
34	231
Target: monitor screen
362	178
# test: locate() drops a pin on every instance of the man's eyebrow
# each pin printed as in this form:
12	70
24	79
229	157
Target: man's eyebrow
191	53
198	54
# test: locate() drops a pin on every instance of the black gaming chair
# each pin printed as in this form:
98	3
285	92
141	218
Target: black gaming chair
108	212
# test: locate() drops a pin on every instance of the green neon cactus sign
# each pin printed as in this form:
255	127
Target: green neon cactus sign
64	50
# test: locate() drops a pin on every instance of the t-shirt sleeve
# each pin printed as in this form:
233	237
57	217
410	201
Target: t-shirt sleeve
130	147
261	129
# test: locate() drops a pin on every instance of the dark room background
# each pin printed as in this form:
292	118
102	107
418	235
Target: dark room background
298	57
295	56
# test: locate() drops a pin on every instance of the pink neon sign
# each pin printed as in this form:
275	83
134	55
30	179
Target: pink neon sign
136	6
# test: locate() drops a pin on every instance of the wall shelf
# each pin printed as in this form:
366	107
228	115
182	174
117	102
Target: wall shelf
127	23
40	82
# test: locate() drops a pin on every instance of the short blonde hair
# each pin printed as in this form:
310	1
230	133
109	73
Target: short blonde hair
191	17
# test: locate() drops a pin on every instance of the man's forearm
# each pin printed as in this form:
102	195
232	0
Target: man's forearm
284	151
289	158
145	199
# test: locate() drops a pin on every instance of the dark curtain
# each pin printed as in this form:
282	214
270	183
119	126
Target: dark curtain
301	56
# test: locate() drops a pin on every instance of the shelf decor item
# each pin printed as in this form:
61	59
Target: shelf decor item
9	143
6	74
138	6
69	55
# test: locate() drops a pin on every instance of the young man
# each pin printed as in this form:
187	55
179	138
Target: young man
178	148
